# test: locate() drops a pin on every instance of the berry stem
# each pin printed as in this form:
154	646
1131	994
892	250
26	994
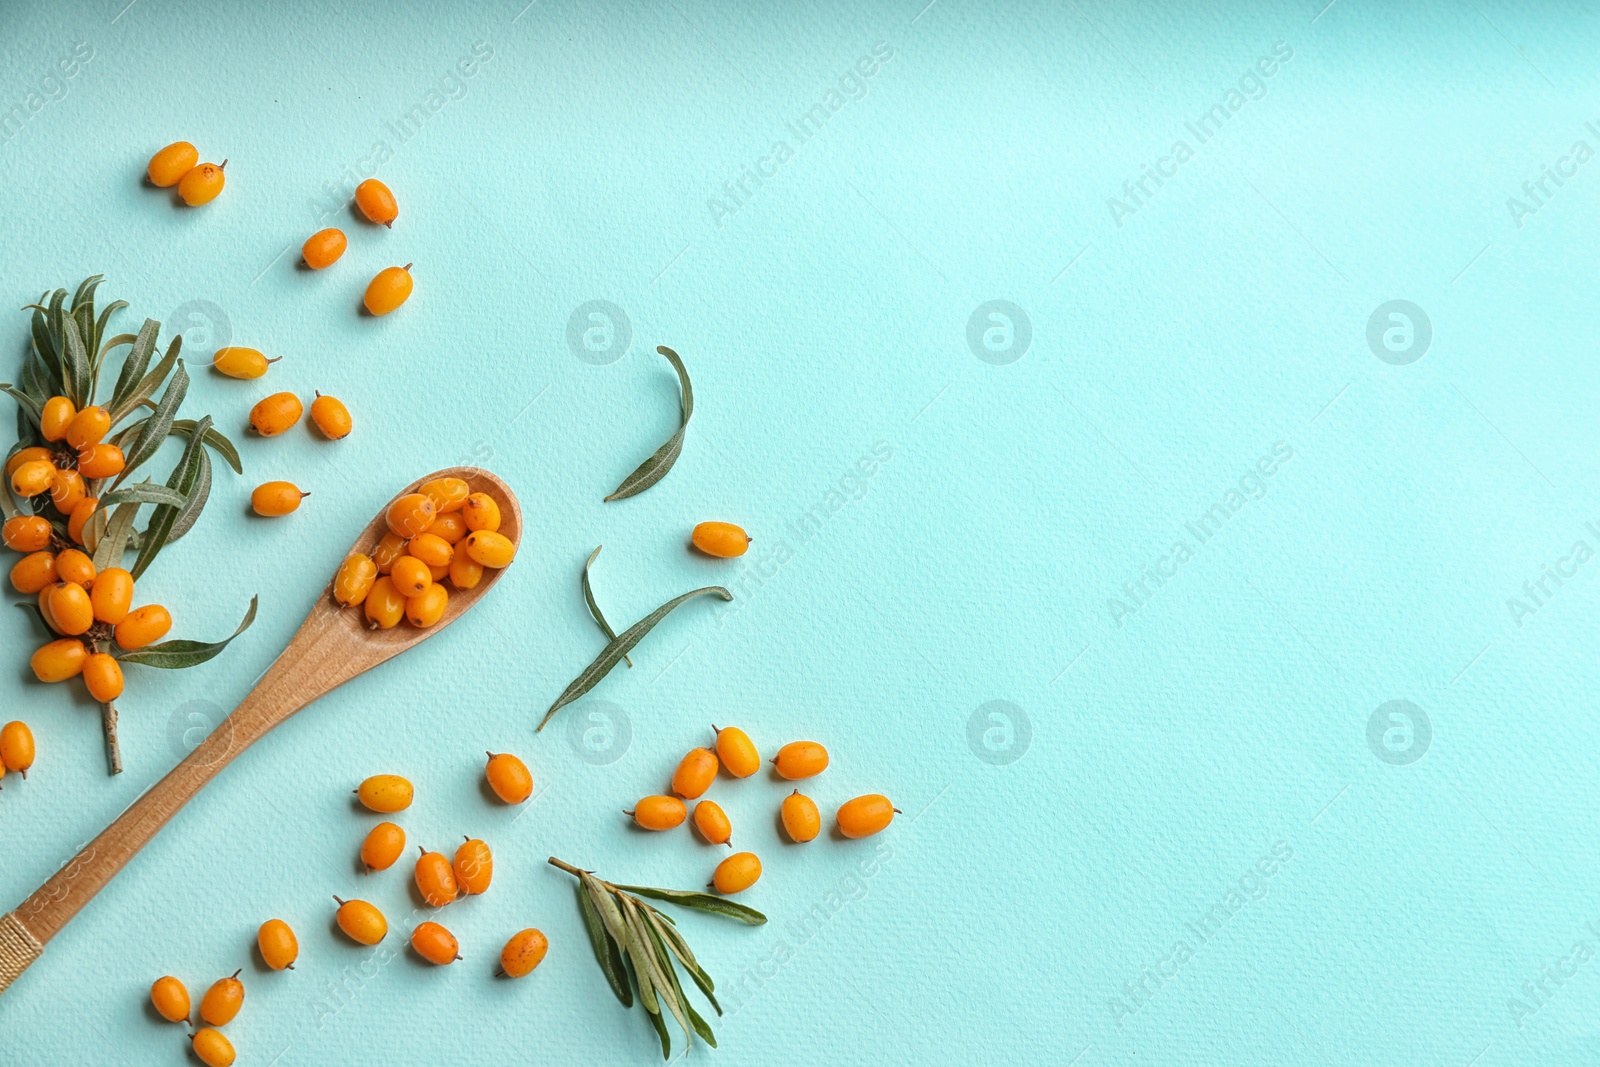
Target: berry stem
108	724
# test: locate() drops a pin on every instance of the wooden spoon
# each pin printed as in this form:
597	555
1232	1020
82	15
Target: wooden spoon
331	647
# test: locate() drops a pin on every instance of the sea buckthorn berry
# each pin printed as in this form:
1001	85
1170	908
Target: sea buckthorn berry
33	572
273	499
43	603
361	922
376	202
67	491
26	533
490	549
390	548
56	415
354	580
101	461
436	879
448	494
278	945
435	944
384	606
170	999
509	777
383	846
385	793
737	873
323	248
202	184
168	166
721	539
59	660
331	417
70	610
481	512
474	867
143	626
16	747
427	607
801	820
27	455
658	813
212	1048
438	574
74	566
431	549
695	773
449	527
411	515
275	414
111	595
800	759
410	576
88	427
865	815
712	822
102	676
737	752
523	952
223	1000
465	572
390	288
33	477
82	512
243	363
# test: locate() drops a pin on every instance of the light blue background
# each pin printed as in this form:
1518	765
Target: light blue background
1012	907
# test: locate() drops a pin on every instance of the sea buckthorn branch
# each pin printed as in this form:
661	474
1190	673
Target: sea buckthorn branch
70	503
634	943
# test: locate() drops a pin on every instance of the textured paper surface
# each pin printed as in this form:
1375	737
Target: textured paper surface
933	530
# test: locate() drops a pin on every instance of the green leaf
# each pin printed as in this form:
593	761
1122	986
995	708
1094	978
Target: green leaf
160	424
605	950
53	316
699	1024
622	646
680	948
27	402
606	905
75	369
114	542
656	467
175	655
86	289
146	492
44	353
133	368
99	350
656	1021
184	477
688	898
194	502
213	437
668	994
594	608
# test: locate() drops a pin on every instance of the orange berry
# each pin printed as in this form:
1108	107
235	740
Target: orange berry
391	547
737	752
377	202
449	495
435	944
202	183
490	549
16	747
383	846
474	867
275	414
481	512
361	922
44	608
223	1000
722	539
431	549
384	606
88	427
168	166
436	879
712	822
101	461
449	526
243	363
331	417
800	759
70	612
143	626
212	1048
74	566
509	777
111	595
427	607
801	820
523	952
385	793
278	946
33	477
33	572
170	999
658	813
273	499
323	248
82	512
355	579
410	576
59	660
26	533
390	288
695	773
865	815
102	676
67	490
737	873
56	415
465	572
28	455
411	515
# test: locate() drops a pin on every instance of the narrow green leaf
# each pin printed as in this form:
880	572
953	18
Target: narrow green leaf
215	438
700	902
620	647
133	369
155	431
114	542
86	289
656	1022
680	948
605	950
53	316
75	368
699	1024
99	350
656	467
146	492
594	608
194	502
183	478
175	655
667	992
606	905
44	353
27	402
